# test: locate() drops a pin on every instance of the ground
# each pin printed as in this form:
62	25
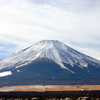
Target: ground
43	88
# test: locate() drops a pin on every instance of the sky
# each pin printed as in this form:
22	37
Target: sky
76	23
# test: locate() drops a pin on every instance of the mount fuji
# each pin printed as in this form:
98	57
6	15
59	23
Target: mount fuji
49	62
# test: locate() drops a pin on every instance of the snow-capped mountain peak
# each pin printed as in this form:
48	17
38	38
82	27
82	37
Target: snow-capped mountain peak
51	49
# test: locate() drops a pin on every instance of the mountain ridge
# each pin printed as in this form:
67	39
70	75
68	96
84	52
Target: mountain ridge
52	49
49	60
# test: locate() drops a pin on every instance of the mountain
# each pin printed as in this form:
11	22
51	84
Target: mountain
49	62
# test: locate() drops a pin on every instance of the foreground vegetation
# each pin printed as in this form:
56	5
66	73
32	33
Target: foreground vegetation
67	95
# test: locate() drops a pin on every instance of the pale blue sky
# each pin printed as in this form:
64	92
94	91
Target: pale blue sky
73	22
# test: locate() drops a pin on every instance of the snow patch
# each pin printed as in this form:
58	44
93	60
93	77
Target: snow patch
2	74
40	87
18	70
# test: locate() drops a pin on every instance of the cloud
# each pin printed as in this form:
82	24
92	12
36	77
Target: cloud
73	22
70	5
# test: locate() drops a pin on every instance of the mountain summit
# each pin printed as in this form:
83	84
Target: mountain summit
48	60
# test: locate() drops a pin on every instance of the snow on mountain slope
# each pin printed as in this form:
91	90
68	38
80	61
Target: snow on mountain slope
5	73
54	50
